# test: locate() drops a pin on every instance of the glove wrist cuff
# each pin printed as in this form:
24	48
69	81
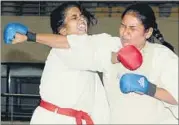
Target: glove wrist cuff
152	90
31	37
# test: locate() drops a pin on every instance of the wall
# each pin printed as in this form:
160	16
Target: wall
30	52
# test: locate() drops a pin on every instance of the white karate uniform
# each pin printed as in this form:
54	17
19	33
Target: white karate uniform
68	87
160	66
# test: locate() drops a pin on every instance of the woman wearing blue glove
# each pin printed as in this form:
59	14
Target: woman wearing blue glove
148	95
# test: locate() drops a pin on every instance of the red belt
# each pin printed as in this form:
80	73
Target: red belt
79	115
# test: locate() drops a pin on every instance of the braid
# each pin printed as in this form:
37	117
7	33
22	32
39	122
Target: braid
159	36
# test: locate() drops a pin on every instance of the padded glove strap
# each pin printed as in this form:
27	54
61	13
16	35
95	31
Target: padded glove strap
152	89
31	37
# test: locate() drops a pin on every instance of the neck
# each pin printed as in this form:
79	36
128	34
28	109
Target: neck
141	46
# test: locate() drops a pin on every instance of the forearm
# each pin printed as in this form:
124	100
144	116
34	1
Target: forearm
52	40
114	59
165	96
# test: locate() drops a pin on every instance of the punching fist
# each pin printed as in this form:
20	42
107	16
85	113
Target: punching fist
12	28
131	82
130	57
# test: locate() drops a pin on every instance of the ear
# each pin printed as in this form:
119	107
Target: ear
149	33
63	31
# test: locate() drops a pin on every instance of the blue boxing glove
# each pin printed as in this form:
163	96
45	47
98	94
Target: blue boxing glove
12	28
131	82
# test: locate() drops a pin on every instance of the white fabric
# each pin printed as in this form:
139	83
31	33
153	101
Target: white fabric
100	113
43	116
94	53
160	66
67	87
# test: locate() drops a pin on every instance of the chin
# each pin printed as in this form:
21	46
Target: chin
82	32
125	44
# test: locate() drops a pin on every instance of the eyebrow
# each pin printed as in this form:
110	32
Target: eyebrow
129	26
76	14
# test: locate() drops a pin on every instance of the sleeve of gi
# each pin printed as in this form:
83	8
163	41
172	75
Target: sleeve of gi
169	71
169	75
90	52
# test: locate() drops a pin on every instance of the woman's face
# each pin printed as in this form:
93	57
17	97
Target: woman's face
74	23
132	31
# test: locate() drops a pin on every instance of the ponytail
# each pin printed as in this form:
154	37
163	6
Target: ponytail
159	36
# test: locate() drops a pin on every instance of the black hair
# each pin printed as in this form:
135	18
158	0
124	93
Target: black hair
57	16
146	15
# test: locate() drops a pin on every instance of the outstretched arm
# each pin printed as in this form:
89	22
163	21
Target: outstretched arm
85	52
18	33
97	48
52	40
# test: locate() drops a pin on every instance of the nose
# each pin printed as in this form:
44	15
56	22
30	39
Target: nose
125	31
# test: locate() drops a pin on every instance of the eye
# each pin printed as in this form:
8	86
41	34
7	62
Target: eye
133	28
74	17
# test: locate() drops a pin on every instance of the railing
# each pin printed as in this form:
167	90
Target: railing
18	78
104	9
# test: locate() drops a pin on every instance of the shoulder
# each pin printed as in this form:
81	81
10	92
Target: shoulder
77	36
162	49
106	37
159	48
102	34
99	36
163	52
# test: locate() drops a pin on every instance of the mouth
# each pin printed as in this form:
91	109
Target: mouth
125	41
82	27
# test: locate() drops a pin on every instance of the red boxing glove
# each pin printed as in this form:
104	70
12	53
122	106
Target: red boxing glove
130	57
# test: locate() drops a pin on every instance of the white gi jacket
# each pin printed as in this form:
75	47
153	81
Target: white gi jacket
67	87
160	66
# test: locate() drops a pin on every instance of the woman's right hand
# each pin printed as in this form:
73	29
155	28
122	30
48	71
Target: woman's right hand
19	38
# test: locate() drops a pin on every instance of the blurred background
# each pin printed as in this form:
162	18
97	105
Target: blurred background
22	64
